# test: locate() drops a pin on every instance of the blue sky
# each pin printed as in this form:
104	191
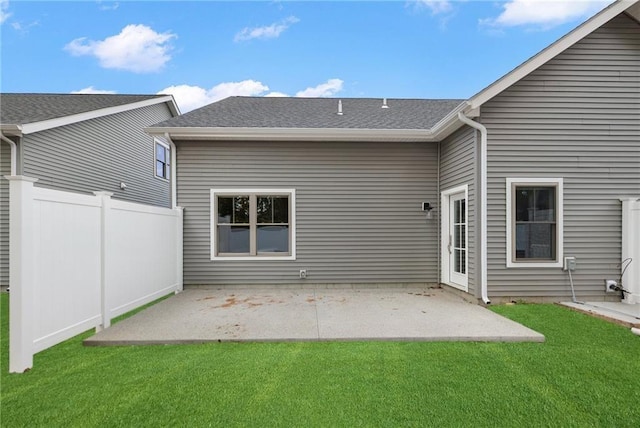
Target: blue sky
203	51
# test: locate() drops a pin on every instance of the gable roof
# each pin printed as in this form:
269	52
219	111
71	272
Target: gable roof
28	113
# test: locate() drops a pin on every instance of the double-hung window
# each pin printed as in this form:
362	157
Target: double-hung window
534	222
163	160
253	224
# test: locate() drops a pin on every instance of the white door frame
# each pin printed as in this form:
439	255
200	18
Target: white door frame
457	280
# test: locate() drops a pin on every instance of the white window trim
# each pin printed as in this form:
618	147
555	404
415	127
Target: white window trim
234	192
444	241
157	141
556	182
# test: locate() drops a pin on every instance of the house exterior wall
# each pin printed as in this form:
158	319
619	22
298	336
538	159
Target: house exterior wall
458	167
576	118
359	218
83	157
5	169
98	154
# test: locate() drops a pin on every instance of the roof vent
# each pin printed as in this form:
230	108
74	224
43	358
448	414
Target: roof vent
384	103
340	107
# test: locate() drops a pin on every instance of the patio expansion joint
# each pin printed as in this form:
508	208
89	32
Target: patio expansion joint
315	306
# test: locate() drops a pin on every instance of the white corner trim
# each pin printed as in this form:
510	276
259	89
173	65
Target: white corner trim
30	128
240	191
559	184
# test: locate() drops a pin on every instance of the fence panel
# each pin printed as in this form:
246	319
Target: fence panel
141	253
66	265
77	261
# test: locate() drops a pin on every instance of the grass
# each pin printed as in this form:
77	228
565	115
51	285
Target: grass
587	373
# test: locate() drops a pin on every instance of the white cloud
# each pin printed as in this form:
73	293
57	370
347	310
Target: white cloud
191	97
327	89
544	13
92	90
437	6
4	11
268	32
137	48
276	94
112	6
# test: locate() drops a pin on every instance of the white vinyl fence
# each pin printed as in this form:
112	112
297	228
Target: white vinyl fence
631	249
77	261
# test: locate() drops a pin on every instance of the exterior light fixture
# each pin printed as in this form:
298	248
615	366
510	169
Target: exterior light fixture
426	207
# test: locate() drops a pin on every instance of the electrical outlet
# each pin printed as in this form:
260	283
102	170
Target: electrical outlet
303	274
569	263
610	285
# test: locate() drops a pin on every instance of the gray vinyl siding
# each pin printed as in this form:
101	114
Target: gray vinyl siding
100	153
457	168
578	118
5	169
359	217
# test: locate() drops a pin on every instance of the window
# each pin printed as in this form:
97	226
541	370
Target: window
253	224
163	160
534	222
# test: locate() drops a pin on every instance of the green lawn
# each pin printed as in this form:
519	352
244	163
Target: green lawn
586	374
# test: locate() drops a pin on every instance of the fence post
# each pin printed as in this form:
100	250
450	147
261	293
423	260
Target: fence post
22	272
179	249
630	246
105	211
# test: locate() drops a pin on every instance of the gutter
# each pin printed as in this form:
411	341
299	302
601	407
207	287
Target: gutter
483	202
14	153
294	134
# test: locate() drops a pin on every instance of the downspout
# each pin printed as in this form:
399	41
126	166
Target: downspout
14	153
174	192
483	203
439	226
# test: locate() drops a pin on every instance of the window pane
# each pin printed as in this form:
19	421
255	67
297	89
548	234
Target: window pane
225	209
167	171
159	169
264	209
273	239
545	198
233	239
536	241
160	153
281	209
241	209
524	203
167	156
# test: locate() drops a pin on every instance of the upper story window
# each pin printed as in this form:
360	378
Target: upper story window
534	222
163	160
250	224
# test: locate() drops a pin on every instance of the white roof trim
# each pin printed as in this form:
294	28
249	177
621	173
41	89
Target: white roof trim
30	128
294	134
553	50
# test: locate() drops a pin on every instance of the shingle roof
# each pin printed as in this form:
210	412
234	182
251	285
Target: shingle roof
358	113
18	109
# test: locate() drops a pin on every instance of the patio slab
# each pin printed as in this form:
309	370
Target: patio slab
618	312
201	314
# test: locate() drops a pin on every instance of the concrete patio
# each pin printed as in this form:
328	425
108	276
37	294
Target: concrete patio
403	314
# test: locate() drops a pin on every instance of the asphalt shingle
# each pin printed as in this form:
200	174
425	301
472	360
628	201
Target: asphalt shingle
274	112
18	109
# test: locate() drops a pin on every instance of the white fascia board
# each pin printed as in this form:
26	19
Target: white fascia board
295	134
552	51
30	128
